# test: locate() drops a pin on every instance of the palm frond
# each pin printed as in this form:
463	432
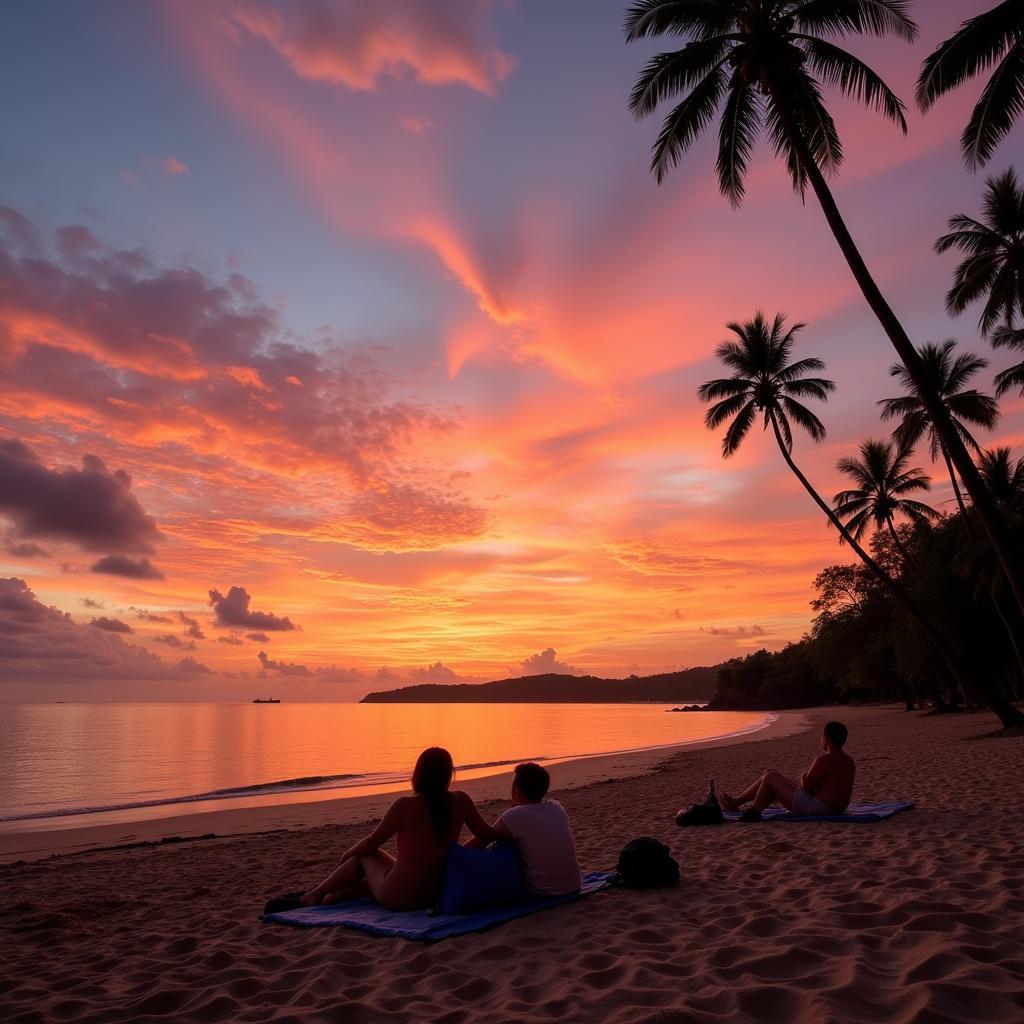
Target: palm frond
697	18
856	17
804	418
852	77
724	387
686	122
738	429
724	410
736	135
1001	103
1010	379
669	74
974	47
801	366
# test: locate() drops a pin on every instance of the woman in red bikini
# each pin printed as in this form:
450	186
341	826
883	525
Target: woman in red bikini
424	825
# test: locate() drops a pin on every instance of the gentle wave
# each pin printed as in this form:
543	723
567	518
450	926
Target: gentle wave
303	784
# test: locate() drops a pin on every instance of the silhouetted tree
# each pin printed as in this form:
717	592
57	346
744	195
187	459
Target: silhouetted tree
948	376
765	63
995	38
765	382
883	483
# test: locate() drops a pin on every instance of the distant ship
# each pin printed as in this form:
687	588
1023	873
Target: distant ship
267	700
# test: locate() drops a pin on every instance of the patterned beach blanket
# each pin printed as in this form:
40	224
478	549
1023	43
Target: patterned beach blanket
425	926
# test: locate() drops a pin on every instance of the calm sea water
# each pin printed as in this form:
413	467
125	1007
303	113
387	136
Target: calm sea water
146	760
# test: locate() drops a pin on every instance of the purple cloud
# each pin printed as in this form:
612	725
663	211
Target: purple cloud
132	568
193	629
175	641
91	507
25	549
283	668
41	642
111	625
233	610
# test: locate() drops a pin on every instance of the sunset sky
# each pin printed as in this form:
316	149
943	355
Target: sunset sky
344	345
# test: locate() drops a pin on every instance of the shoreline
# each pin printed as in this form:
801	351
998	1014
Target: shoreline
284	811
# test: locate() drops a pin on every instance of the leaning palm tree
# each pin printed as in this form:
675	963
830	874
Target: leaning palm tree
993	248
948	376
883	484
765	383
993	38
765	63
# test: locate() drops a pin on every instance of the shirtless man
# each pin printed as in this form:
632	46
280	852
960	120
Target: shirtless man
825	788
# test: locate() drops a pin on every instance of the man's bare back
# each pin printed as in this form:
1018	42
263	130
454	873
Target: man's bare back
830	779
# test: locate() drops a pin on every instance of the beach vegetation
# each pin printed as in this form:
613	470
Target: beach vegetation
766	384
765	64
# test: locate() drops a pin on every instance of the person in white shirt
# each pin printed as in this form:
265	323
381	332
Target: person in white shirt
540	828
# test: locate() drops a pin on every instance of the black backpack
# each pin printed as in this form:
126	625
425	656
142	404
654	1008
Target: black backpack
707	813
646	864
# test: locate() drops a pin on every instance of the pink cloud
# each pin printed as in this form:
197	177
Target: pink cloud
355	43
173	167
416	125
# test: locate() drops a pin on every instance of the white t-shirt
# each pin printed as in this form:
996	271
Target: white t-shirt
546	846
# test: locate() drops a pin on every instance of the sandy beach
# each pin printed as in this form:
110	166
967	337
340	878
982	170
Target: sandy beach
918	919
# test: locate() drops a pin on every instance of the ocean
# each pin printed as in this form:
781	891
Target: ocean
61	763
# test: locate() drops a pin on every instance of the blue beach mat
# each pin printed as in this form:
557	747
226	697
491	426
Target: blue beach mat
421	926
863	813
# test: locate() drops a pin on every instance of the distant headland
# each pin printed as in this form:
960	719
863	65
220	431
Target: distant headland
692	684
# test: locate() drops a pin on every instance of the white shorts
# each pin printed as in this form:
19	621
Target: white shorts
804	805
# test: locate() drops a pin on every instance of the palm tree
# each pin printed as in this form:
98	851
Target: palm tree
1005	479
947	376
995	37
993	248
882	485
765	63
765	382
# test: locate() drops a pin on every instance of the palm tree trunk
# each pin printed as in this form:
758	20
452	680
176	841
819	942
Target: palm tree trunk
956	487
1010	632
904	553
1007	713
984	504
1019	675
